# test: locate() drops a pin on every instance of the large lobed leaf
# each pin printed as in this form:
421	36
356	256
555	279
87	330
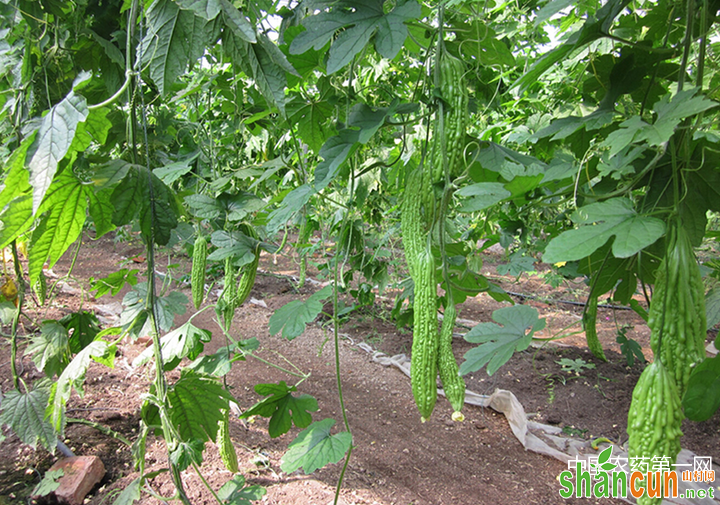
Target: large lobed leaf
519	323
282	408
315	447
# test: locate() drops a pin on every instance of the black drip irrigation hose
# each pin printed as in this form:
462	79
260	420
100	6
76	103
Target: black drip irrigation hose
566	302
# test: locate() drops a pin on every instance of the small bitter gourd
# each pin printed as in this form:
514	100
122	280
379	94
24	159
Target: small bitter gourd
199	265
224	443
452	381
40	288
677	311
248	272
589	323
229	293
654	419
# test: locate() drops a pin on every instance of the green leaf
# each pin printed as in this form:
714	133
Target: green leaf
712	307
101	211
702	397
612	218
334	152
315	447
292	317
53	142
83	327
482	195
175	39
670	112
172	172
500	342
187	341
16	219
16	181
204	206
187	453
134	315
282	408
233	244
235	492
594	28
141	194
265	63
66	207
111	173
95	129
50	349
114	282
235	20
24	413
291	204
206	9
196	404
130	494
217	364
357	22
49	482
73	377
311	118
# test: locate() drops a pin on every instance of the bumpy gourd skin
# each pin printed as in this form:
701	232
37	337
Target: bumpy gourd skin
225	445
426	339
248	272
677	313
654	419
423	365
589	323
452	381
199	264
420	212
454	93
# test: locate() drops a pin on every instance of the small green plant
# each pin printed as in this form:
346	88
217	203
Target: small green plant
629	347
577	365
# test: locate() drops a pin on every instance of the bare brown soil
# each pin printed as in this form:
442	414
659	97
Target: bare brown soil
396	458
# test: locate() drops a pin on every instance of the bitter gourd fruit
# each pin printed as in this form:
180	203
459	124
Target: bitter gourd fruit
40	288
224	443
589	323
677	318
452	381
248	272
448	148
654	419
426	339
197	276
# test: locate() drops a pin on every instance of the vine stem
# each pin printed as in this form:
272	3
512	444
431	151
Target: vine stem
16	320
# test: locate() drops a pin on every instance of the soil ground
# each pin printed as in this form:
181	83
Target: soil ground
396	458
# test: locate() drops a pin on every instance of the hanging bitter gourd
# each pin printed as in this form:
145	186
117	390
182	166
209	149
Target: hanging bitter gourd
448	147
426	339
654	419
229	293
249	271
40	288
452	381
677	311
589	323
224	443
197	276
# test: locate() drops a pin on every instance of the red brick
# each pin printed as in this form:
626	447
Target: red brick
81	473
